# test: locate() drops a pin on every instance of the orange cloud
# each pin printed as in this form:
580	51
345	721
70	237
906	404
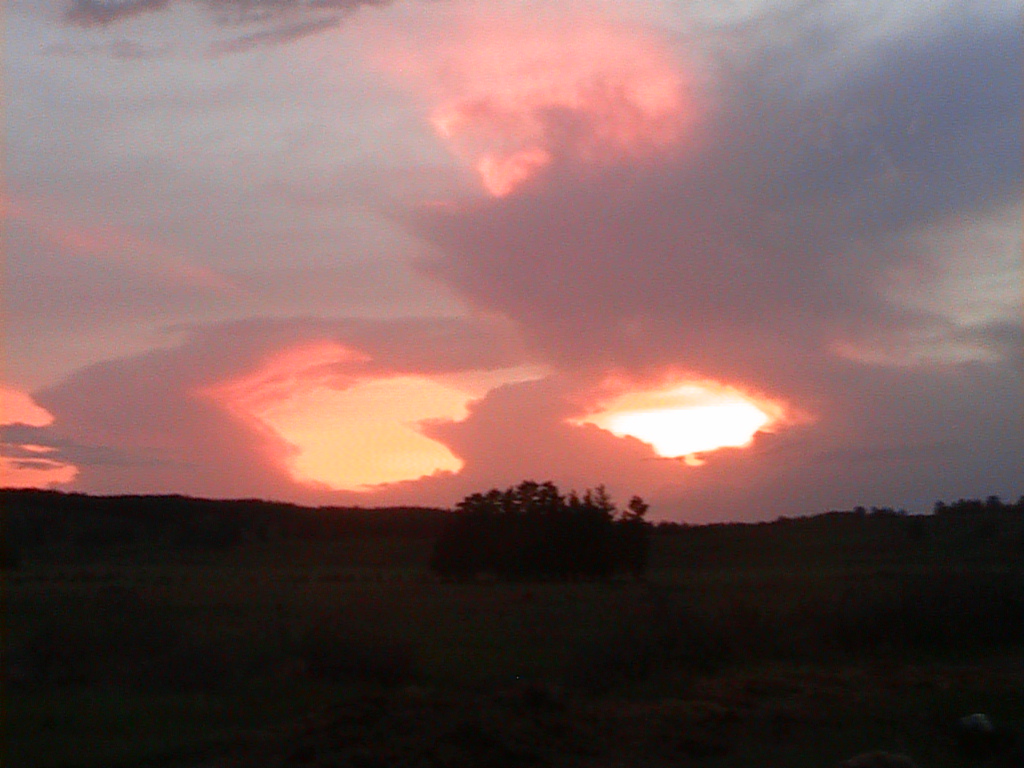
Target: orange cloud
35	472
369	433
352	428
17	407
28	465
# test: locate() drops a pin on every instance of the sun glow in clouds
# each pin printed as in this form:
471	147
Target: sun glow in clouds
369	433
351	428
513	93
686	420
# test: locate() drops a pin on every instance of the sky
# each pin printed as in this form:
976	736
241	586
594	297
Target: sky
744	258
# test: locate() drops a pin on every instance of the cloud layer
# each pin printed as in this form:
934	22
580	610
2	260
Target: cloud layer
827	217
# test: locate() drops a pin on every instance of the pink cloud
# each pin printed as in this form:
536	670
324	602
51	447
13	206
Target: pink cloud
514	94
23	464
115	243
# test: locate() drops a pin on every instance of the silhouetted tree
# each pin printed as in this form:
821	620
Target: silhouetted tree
635	541
532	531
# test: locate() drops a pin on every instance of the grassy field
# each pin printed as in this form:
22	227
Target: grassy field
348	653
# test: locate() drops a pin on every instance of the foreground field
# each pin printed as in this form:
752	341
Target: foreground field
775	716
348	653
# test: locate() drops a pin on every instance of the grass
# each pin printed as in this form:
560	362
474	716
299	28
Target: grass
103	726
778	715
121	664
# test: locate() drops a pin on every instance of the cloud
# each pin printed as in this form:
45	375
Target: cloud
276	22
761	258
17	407
824	225
22	442
157	246
26	460
274	36
755	255
164	434
124	50
512	92
130	50
91	13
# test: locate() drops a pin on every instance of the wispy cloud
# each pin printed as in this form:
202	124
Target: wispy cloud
274	22
274	36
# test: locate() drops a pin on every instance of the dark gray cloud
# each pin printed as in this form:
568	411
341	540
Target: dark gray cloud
274	36
31	464
20	441
277	21
274	22
90	13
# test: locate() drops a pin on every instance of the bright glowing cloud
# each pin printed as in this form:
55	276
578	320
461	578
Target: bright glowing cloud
351	429
34	471
368	434
685	420
512	95
17	407
24	465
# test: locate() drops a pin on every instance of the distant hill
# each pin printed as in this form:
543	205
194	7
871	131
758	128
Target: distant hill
36	518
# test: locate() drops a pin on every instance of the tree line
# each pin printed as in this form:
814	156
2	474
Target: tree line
529	531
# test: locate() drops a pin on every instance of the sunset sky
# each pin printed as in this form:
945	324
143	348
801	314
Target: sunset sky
745	258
